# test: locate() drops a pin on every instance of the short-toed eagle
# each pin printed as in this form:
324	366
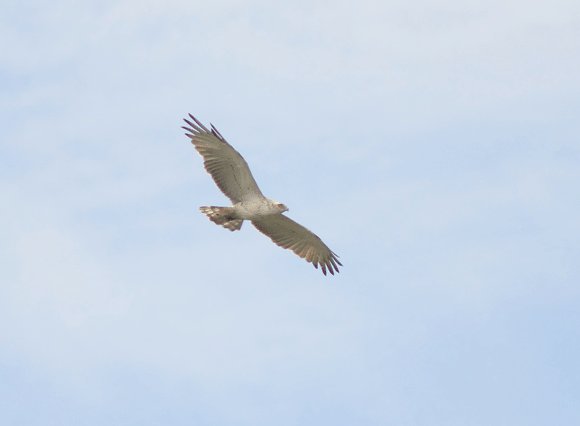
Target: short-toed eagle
232	175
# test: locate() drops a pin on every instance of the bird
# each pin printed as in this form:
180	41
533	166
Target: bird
233	177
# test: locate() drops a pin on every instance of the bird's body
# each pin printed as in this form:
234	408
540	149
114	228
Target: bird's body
233	217
232	175
261	206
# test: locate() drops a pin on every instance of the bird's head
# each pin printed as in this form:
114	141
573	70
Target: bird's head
281	207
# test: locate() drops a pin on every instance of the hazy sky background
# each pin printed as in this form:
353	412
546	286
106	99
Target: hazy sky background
435	146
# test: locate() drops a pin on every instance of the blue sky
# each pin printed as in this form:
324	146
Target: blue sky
433	145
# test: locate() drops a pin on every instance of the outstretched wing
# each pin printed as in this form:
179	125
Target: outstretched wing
226	166
291	235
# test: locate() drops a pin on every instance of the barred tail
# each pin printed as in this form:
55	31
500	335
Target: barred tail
223	216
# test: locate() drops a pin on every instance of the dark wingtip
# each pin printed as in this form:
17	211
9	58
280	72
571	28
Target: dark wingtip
198	125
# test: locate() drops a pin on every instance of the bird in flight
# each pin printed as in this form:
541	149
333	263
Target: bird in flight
232	175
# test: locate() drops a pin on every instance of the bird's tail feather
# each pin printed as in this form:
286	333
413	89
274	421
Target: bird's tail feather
223	216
